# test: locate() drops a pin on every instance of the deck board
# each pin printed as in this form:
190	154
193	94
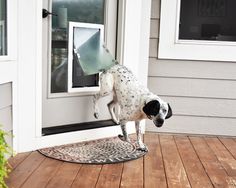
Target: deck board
87	176
20	174
154	171
172	161
16	160
65	175
213	167
195	171
230	144
40	177
110	176
223	155
175	172
132	175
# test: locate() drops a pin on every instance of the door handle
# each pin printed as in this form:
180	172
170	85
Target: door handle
45	13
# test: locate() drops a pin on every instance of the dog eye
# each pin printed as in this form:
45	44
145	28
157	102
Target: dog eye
164	110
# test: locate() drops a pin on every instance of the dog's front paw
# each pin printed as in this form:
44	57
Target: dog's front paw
96	115
143	149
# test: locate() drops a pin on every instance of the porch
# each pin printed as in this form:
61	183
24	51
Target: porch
172	161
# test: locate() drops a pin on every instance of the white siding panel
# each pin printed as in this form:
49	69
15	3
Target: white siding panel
202	107
191	69
196	125
153	48
155	11
225	89
154	29
5	95
6	118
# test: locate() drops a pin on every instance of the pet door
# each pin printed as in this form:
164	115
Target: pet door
87	57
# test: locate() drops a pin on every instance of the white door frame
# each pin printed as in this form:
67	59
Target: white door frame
133	46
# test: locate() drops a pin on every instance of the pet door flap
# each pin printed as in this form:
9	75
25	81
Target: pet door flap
89	51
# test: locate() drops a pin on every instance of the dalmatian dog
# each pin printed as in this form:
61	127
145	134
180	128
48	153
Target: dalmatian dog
131	102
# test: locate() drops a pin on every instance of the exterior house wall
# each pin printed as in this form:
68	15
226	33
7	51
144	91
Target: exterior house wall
202	93
6	110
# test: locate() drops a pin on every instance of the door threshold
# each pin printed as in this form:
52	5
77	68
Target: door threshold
77	127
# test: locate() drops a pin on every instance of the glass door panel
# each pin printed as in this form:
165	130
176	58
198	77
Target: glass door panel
3	27
66	11
59	107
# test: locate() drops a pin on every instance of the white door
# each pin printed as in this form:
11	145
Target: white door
60	107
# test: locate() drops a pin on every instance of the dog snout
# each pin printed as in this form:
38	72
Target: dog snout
159	122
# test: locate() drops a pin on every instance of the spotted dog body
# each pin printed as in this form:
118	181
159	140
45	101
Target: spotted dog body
131	101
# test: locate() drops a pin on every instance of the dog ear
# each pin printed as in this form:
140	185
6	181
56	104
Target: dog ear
152	108
169	114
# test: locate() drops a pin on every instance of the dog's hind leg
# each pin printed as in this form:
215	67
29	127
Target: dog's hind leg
140	145
114	109
125	136
106	87
96	97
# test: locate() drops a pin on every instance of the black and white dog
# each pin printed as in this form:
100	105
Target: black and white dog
131	101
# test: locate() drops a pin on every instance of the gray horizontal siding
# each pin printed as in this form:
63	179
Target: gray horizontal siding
202	94
196	125
6	118
185	87
5	95
6	110
155	10
154	29
153	48
203	107
191	69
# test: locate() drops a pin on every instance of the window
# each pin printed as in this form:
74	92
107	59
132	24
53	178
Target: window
3	27
198	30
208	20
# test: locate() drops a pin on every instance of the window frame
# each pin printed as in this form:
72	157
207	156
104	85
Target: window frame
11	25
171	47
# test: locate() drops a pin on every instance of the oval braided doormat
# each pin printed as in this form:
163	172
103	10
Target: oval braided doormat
102	151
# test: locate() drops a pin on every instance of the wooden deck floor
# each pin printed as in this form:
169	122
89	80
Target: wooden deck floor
172	161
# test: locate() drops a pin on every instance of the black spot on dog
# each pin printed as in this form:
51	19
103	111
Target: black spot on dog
152	108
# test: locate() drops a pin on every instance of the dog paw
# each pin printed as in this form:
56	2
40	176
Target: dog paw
123	138
96	115
143	149
116	122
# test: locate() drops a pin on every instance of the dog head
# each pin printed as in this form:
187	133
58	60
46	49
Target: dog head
157	111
